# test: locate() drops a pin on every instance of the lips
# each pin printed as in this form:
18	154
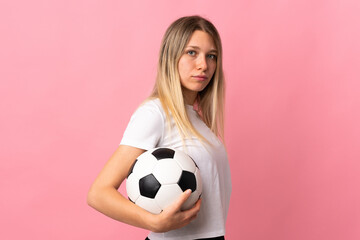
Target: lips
200	77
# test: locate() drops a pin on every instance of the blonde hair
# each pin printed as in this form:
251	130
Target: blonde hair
168	86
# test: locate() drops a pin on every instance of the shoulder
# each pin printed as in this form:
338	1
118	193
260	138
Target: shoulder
146	126
149	110
151	105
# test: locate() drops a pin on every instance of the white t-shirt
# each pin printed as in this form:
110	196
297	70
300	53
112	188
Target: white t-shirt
147	129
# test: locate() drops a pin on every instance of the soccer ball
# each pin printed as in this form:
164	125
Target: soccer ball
159	176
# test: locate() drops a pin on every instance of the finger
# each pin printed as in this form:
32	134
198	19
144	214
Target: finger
193	217
197	206
198	203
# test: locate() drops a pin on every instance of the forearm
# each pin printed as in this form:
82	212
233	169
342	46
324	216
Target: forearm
110	202
104	197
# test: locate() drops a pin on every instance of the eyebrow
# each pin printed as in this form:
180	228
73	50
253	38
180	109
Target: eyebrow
196	47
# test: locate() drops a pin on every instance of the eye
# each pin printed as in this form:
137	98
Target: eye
191	53
212	56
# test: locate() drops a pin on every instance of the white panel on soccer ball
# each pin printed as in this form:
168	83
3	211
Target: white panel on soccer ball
132	187
167	171
144	165
190	201
198	181
148	204
185	162
167	194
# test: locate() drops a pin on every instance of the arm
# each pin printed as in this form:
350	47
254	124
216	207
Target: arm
104	197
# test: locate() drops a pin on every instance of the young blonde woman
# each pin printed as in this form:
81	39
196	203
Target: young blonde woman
185	111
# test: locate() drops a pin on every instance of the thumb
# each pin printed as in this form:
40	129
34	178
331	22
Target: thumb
182	199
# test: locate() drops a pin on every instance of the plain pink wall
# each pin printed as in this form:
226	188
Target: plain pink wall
72	72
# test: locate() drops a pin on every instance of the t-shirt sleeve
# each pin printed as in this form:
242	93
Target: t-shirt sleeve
145	128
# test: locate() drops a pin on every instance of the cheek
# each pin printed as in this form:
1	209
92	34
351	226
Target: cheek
184	68
212	67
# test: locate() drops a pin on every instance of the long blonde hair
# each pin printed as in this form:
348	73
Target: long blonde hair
168	87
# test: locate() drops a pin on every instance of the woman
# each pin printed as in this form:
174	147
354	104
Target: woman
185	111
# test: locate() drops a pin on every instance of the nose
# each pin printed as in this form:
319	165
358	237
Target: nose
201	63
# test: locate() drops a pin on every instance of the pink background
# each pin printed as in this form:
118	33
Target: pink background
72	73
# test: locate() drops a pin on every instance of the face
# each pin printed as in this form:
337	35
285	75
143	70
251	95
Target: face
197	65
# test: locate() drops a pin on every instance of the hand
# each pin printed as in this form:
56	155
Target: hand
172	217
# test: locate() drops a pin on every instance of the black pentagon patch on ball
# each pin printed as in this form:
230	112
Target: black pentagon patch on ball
132	168
149	186
162	153
187	181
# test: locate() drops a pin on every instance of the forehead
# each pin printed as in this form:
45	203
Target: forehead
202	39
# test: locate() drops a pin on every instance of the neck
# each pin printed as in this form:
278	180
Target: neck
189	96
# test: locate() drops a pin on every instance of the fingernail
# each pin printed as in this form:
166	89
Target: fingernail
188	191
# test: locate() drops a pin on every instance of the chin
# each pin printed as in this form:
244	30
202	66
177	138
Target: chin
202	88
196	87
